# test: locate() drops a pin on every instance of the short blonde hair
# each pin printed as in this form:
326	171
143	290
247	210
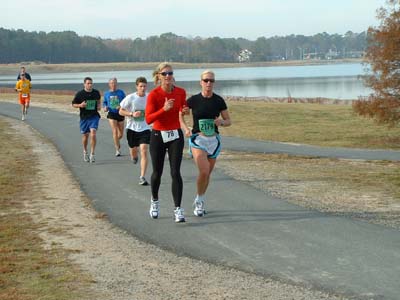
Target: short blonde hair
156	75
207	72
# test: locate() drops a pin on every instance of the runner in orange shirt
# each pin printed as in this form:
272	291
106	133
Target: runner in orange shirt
23	87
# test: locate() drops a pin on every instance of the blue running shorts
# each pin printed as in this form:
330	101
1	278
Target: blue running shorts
87	124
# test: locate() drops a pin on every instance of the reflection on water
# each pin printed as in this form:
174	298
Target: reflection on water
328	81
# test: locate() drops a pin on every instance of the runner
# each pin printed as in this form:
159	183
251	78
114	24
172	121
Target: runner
23	87
23	71
88	102
164	110
111	104
205	143
137	130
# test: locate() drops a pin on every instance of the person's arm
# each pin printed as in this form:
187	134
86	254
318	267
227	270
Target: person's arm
151	111
77	103
105	102
225	119
98	101
182	122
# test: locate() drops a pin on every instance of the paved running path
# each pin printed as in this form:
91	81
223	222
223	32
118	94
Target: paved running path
245	228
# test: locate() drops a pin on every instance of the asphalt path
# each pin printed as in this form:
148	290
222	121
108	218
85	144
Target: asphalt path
245	228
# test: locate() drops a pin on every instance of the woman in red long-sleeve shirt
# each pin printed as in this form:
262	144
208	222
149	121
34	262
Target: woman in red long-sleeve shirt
164	110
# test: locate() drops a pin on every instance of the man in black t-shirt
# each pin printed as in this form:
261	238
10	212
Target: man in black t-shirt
22	71
88	102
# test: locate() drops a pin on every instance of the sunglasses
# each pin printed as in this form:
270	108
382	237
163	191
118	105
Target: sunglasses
170	73
208	80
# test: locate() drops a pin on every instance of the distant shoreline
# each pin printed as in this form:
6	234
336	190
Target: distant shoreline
32	67
315	100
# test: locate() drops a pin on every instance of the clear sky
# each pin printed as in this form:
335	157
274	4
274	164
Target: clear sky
205	18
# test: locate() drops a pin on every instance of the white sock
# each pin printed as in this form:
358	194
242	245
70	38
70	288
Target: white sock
200	197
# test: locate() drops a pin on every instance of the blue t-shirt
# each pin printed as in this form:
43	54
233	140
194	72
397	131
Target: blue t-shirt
112	100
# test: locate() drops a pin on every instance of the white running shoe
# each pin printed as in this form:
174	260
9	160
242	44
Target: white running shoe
154	209
179	217
23	117
143	181
92	158
86	157
117	153
199	209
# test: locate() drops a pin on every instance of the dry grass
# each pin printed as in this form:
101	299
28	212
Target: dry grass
27	270
309	123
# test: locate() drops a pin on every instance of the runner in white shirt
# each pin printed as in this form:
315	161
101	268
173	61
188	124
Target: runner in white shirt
138	131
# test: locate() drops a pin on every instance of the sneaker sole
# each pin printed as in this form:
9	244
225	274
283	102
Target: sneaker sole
154	216
197	214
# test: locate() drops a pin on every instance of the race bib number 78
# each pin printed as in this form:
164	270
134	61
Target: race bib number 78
169	135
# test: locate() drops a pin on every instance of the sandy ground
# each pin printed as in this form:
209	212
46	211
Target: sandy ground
122	267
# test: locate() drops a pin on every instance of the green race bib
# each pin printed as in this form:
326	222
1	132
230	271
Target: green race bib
114	102
141	118
207	127
91	104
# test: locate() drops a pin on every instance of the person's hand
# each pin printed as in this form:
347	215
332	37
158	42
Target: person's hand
188	132
82	105
168	104
137	114
105	109
185	110
219	122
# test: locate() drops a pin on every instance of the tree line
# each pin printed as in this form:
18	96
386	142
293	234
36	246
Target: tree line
68	47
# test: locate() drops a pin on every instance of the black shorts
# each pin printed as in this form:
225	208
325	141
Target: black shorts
115	116
136	138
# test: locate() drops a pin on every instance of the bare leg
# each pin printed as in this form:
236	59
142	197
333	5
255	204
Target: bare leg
115	133
134	152
143	159
93	140
120	126
205	166
85	139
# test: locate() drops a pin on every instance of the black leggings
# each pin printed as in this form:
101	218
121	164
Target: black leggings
157	152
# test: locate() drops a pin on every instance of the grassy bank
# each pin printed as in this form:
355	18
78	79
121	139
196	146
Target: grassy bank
304	123
11	69
27	270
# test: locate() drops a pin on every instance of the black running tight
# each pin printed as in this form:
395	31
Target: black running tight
157	152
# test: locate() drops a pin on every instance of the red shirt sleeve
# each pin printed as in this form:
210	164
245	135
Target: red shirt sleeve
153	110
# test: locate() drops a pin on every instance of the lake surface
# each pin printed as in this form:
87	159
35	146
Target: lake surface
339	81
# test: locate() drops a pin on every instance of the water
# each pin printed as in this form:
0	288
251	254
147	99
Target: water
339	81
